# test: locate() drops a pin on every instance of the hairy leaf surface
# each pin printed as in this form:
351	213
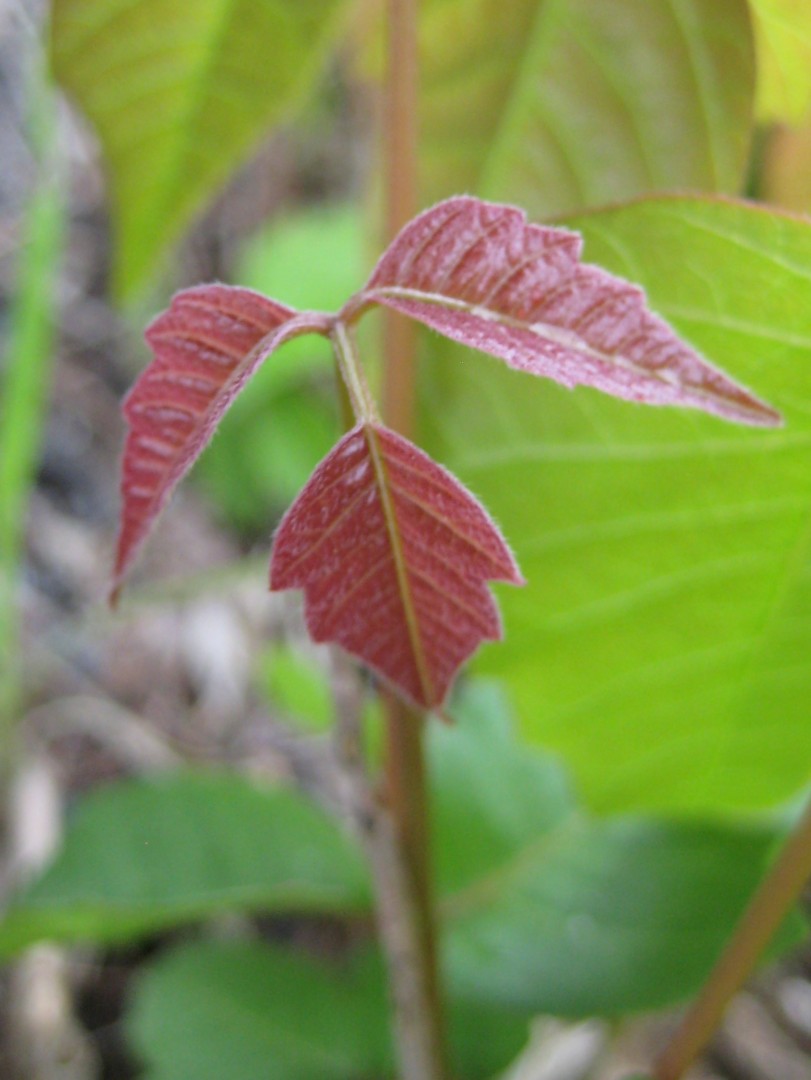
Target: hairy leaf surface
393	554
207	345
480	274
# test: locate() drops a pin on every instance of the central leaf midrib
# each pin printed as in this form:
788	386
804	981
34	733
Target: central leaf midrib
398	557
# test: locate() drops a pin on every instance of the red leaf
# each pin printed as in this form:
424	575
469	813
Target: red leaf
207	345
479	274
393	554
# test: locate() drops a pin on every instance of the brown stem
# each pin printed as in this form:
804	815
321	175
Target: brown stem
400	120
775	897
407	799
415	987
398	908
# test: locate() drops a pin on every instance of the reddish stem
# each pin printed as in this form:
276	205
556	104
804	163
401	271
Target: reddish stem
418	1022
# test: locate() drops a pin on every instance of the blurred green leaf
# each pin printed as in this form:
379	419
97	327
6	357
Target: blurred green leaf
296	686
560	104
783	38
141	856
663	643
311	257
265	450
248	1011
545	909
491	795
603	917
179	92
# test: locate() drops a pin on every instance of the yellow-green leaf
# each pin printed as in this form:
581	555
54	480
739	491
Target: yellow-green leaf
783	36
557	105
179	91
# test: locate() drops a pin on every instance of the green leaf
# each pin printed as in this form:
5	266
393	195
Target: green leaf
297	686
301	689
247	1011
179	91
266	447
603	918
783	38
580	102
311	257
142	856
545	909
663	643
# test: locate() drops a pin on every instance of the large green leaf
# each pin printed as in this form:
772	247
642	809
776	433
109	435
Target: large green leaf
783	36
141	856
179	91
248	1012
545	909
602	918
663	643
559	104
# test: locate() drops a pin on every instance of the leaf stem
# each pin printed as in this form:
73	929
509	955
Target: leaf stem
420	1031
354	380
400	925
401	127
773	900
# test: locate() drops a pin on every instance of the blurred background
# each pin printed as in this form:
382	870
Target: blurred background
201	664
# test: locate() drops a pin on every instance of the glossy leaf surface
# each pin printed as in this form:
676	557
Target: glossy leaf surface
582	102
480	274
179	91
206	345
290	1017
394	555
667	555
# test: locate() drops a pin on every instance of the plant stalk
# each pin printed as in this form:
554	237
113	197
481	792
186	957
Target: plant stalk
772	902
401	107
418	1021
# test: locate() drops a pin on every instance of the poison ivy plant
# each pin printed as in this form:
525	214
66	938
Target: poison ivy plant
391	551
179	91
661	645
